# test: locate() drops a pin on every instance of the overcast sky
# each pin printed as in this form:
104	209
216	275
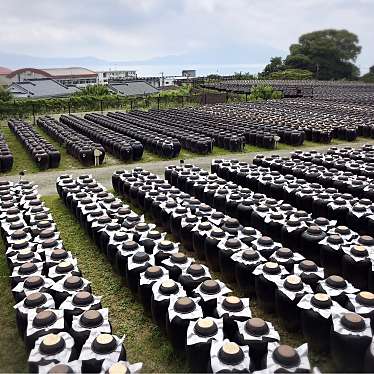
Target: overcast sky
142	29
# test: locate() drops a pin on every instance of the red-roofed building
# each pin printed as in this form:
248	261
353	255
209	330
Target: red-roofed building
4	71
76	76
4	80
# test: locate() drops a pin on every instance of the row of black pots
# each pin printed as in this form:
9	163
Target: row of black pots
335	252
281	184
6	156
348	95
123	147
188	139
348	182
311	237
265	289
236	126
288	129
364	153
154	141
77	145
318	122
152	269
322	111
357	162
44	154
162	214
224	135
294	229
62	323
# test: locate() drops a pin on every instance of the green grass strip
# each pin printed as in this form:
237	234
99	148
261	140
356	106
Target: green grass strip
13	356
144	340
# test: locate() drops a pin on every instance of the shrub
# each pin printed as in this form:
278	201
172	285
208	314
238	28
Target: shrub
183	90
295	74
243	76
369	77
277	95
96	90
5	95
261	92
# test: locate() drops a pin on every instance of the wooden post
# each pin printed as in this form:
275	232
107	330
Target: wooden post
33	111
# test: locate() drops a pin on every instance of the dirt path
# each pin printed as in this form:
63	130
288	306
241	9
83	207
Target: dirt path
46	180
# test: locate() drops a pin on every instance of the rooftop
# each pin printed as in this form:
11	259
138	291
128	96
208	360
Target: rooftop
133	88
69	71
56	72
37	88
4	70
4	81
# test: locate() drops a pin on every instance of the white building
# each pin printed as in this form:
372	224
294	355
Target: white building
170	80
103	77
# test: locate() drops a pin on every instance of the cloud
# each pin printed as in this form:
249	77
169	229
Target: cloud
141	29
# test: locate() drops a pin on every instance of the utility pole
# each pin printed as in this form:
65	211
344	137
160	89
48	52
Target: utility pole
162	79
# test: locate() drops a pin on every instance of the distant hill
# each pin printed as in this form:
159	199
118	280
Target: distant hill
15	61
233	54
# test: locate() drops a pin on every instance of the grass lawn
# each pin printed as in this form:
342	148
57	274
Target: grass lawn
23	161
13	356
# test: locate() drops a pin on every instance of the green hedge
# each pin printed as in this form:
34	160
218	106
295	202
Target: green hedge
28	107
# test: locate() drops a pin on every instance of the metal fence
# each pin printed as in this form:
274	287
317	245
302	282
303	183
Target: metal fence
34	108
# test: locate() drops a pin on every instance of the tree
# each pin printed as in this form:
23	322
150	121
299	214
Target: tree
298	61
295	49
213	76
369	77
243	76
94	90
341	44
5	95
264	92
328	54
183	90
276	64
331	53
